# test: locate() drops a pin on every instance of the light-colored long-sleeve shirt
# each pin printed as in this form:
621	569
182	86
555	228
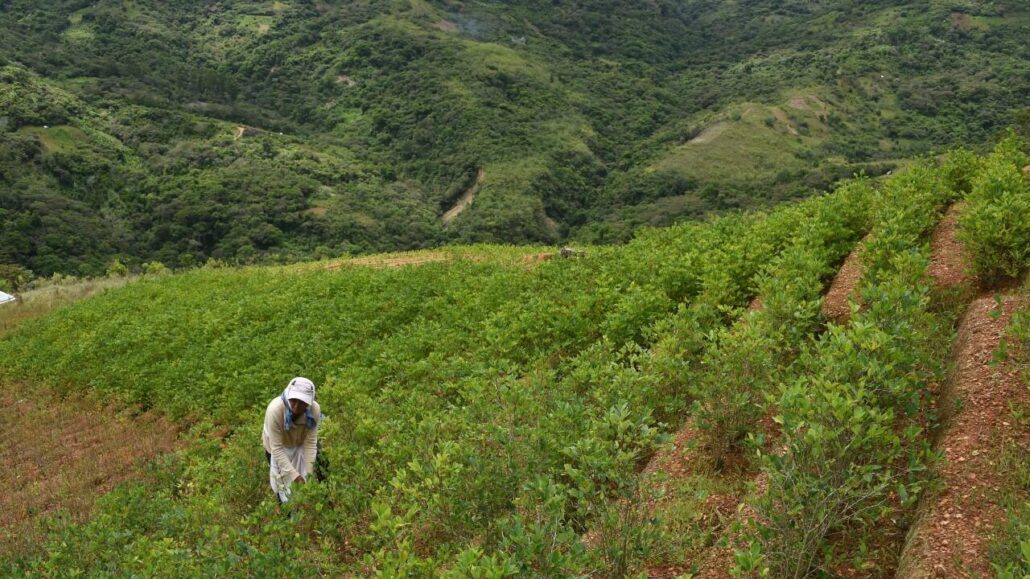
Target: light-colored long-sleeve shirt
275	437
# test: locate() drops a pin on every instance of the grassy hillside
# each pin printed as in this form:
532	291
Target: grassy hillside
469	382
486	410
271	131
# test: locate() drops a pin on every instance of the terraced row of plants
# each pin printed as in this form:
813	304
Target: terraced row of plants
853	415
745	376
724	368
728	370
856	416
836	493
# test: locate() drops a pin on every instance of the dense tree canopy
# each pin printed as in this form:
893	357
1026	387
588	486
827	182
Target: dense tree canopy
262	130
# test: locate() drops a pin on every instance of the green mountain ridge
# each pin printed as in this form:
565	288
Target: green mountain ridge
363	122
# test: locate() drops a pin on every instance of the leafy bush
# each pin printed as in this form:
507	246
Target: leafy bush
117	269
849	416
959	168
994	226
14	276
742	364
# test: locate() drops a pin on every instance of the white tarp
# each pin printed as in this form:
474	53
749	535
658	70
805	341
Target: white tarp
6	298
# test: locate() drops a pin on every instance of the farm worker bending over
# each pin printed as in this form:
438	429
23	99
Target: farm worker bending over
290	436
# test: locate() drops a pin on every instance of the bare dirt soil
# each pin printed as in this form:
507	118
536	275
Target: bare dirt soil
951	535
708	134
466	198
61	454
844	286
783	119
446	25
800	103
381	262
949	261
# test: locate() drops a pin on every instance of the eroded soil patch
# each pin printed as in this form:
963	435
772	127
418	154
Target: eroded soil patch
62	454
465	200
844	286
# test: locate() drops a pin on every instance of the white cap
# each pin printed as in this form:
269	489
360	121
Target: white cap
301	389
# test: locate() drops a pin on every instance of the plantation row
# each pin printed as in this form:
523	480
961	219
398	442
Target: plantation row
851	412
483	415
856	408
753	370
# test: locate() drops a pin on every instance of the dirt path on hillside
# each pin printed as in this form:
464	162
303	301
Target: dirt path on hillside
950	536
63	454
781	117
466	198
949	261
709	134
953	529
719	559
844	286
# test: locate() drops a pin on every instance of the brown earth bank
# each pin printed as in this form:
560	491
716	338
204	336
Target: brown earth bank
954	526
949	261
466	198
422	258
949	267
61	454
844	286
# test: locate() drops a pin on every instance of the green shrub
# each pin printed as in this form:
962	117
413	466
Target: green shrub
14	277
742	364
729	395
117	269
848	423
155	268
958	169
538	536
1010	545
995	227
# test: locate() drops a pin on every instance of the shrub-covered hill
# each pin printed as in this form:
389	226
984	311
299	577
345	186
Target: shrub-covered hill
457	391
486	410
178	131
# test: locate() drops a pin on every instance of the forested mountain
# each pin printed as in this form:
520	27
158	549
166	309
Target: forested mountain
182	130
